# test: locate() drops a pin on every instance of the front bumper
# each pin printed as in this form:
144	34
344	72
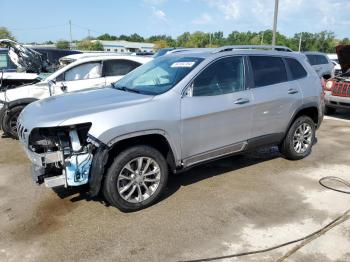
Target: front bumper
336	101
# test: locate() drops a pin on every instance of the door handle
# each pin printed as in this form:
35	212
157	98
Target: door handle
241	101
292	91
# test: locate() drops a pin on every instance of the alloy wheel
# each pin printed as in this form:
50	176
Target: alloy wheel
138	179
302	138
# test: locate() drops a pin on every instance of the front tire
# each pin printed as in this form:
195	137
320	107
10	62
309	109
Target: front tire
9	122
300	138
136	178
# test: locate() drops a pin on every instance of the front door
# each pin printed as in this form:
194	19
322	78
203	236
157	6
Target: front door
80	77
216	112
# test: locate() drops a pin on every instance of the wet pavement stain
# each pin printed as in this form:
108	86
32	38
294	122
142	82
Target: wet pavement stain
45	219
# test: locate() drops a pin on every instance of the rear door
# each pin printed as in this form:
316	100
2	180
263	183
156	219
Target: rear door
275	96
216	111
115	69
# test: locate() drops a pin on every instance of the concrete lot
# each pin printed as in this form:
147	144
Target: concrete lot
236	204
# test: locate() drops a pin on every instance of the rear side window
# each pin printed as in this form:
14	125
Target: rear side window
296	69
118	67
317	59
268	70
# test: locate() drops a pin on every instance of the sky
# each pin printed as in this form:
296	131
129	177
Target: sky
43	20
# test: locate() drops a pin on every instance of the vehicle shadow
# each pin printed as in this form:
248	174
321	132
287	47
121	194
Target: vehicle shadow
341	114
188	177
218	167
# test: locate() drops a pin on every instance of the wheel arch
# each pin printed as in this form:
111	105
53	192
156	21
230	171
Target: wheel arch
22	101
106	154
311	110
9	105
159	139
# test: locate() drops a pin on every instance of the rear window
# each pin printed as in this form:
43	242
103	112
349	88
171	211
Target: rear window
268	70
296	69
317	59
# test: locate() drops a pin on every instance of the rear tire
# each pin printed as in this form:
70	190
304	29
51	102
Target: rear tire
300	138
2	113
9	122
136	178
329	110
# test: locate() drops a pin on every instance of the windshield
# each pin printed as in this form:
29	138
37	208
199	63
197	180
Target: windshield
158	76
43	76
162	52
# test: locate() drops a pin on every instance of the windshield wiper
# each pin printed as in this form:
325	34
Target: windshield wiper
126	89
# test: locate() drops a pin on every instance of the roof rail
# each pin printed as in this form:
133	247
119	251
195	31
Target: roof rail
263	47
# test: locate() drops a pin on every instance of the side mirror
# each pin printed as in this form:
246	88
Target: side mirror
189	91
51	84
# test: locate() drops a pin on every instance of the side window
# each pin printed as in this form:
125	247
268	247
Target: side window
222	77
3	60
317	59
118	67
322	60
84	71
268	70
296	69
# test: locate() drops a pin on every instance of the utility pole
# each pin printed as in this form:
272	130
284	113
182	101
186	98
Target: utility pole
70	34
275	15
210	39
301	35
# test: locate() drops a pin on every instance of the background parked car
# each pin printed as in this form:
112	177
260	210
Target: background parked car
88	72
335	61
21	65
337	89
321	63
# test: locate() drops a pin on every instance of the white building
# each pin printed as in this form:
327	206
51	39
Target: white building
126	46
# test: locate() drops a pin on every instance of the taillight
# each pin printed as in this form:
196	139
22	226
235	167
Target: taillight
329	85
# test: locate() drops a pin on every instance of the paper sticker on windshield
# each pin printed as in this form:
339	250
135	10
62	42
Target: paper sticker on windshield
183	64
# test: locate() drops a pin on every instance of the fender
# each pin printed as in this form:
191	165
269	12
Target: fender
296	112
149	132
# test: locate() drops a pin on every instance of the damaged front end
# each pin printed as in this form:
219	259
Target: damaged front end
65	156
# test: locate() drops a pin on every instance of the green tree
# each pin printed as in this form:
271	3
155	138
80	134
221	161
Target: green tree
88	45
136	38
107	37
5	33
62	44
161	43
168	39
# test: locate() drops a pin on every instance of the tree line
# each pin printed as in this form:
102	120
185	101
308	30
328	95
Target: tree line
324	41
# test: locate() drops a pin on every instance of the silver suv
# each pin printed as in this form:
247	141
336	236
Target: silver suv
321	63
170	114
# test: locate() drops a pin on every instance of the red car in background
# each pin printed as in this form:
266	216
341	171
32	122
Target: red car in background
337	89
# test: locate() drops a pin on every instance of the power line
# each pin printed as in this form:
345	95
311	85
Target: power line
37	28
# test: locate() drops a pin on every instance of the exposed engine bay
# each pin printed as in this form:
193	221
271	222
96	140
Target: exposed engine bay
62	155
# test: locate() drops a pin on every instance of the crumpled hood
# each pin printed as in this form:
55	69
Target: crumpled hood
55	110
343	52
